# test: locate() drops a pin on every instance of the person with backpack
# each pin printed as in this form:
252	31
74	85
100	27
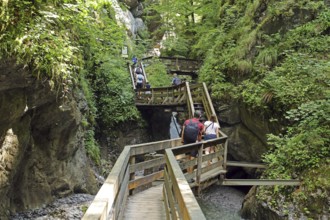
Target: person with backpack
148	92
139	83
176	80
191	129
138	70
211	132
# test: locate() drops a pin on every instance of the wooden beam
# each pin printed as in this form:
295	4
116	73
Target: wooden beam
147	164
146	179
245	164
259	182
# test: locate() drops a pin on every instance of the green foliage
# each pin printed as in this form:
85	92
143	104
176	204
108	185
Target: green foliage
92	148
73	44
114	94
306	143
302	152
157	74
273	57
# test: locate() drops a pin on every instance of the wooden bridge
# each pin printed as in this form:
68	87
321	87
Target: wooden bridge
157	187
178	65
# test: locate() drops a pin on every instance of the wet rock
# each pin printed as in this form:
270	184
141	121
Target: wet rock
71	207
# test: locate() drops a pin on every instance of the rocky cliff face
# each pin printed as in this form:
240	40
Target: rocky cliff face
42	154
246	131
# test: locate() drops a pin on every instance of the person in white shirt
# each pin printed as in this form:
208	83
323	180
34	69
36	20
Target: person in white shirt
211	132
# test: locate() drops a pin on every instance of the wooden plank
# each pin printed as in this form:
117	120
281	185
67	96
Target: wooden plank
246	164
211	156
211	174
146	179
259	182
225	155
166	205
209	182
199	164
188	163
186	148
216	165
170	196
147	164
118	207
190	101
153	146
147	204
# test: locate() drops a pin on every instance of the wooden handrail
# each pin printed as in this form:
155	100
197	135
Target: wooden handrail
114	192
179	199
131	75
144	72
190	103
104	203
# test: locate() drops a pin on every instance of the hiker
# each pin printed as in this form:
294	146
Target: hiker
138	70
148	92
134	60
139	82
190	131
211	132
176	80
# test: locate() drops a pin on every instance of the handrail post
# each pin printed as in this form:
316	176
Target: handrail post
132	75
190	101
199	168
225	155
143	71
209	101
132	175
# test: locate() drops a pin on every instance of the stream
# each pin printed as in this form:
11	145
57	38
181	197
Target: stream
221	202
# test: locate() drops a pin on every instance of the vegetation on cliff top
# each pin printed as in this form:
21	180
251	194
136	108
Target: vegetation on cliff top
73	44
272	56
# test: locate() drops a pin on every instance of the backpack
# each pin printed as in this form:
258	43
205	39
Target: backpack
191	132
138	70
140	78
176	81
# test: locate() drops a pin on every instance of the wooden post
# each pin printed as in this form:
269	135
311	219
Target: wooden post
199	168
225	155
132	175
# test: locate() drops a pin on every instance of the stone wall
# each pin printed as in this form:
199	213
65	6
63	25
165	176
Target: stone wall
42	155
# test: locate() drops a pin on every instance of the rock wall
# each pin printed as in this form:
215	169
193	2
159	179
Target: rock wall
252	209
247	133
42	155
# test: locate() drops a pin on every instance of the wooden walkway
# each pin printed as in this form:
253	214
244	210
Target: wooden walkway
173	198
146	205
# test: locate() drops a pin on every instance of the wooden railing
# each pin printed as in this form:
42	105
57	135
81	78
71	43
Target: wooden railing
179	200
177	64
108	203
173	95
132	75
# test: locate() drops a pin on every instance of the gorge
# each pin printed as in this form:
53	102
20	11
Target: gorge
66	106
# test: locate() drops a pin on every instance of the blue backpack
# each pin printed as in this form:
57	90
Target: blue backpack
176	81
191	131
